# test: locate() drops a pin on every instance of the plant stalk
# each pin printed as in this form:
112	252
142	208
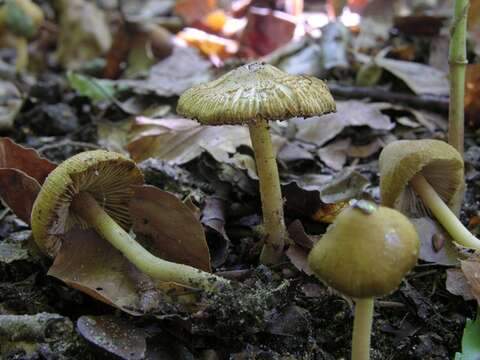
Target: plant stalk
443	214
270	193
89	210
458	61
362	329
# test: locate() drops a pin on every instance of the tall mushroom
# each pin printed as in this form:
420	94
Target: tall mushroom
92	190
433	169
366	252
254	94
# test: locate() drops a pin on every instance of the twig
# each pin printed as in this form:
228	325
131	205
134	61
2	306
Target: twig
427	102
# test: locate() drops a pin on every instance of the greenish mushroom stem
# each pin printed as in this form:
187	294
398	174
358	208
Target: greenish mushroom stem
270	193
362	328
443	214
90	211
458	61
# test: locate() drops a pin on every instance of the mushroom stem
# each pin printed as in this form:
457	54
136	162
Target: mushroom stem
90	211
270	193
442	212
22	53
362	328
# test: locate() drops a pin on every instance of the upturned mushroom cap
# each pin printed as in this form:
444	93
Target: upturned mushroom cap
366	252
255	91
437	161
107	176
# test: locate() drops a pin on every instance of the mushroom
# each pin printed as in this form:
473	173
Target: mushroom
93	190
22	18
253	94
434	170
366	252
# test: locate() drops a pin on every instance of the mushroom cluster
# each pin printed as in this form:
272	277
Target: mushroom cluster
252	95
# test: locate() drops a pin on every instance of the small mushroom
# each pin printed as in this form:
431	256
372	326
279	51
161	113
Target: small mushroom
366	252
93	190
253	94
23	19
434	170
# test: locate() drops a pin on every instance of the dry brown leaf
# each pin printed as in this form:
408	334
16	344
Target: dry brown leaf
471	270
456	284
172	229
420	78
320	130
267	30
192	11
179	141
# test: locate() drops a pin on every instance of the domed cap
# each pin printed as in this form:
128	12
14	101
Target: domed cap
366	252
106	175
437	161
256	91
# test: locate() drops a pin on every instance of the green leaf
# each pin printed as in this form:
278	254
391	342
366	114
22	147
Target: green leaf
470	341
93	88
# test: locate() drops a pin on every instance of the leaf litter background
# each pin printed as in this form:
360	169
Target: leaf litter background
107	75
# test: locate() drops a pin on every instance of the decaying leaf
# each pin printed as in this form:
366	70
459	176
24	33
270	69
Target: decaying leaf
22	171
184	68
115	335
178	141
213	218
456	284
319	130
420	78
471	270
429	231
173	231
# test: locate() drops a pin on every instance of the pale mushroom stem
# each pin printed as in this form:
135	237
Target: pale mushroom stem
362	328
270	193
90	211
22	54
443	214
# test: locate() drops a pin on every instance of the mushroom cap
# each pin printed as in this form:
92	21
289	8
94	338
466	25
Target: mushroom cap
367	251
437	161
107	176
255	91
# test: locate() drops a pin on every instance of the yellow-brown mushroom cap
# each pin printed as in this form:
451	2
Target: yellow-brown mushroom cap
366	252
437	161
107	176
255	91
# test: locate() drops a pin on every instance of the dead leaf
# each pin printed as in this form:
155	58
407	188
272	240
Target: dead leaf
172	230
320	130
267	30
18	191
334	155
471	270
420	78
184	68
213	218
10	103
427	229
192	11
217	48
328	212
83	34
179	141
299	258
456	284
114	335
14	156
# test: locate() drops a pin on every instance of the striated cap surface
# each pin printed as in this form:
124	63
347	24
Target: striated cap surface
256	91
106	175
437	161
366	252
